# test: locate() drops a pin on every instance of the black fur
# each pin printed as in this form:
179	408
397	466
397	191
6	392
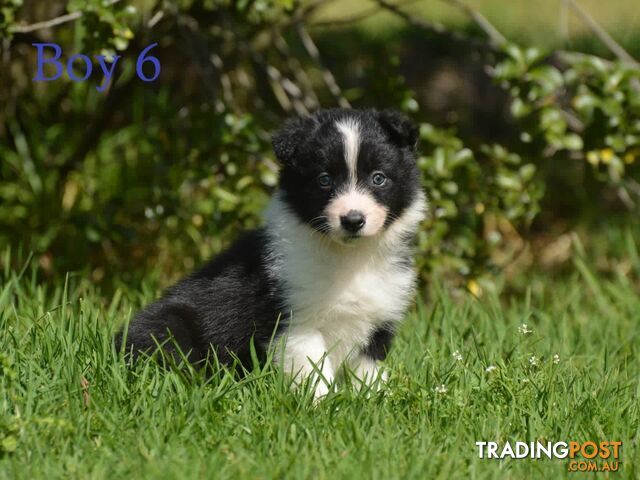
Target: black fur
380	342
223	306
234	299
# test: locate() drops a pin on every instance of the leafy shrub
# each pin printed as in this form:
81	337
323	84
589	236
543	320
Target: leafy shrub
586	106
162	175
475	199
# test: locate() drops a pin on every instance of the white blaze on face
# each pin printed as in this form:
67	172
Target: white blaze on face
352	198
350	130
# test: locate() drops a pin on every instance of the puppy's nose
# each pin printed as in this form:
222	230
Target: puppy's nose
352	221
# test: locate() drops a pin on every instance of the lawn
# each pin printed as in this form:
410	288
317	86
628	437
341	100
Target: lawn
70	409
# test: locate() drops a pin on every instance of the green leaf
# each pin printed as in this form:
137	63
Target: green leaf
573	141
9	444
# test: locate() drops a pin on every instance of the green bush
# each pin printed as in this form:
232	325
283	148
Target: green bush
588	106
162	175
472	196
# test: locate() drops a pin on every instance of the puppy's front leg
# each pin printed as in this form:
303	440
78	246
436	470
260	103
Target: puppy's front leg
365	365
304	355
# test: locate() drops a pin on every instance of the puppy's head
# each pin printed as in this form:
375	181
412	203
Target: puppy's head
347	173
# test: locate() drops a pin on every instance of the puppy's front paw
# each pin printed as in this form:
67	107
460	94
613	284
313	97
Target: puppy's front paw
305	358
320	390
368	374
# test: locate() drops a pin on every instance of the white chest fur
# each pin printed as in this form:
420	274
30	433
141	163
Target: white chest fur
344	292
339	295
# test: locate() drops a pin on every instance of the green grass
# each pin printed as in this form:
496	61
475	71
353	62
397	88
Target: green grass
150	423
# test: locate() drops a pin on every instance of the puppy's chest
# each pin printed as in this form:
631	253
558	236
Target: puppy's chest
346	294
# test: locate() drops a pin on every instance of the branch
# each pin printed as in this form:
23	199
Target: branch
573	121
329	79
412	20
46	24
567	57
337	22
54	22
634	186
496	38
225	80
301	14
287	93
310	98
277	85
602	34
625	198
155	19
438	28
306	10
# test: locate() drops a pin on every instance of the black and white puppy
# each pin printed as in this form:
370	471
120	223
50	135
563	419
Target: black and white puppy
329	276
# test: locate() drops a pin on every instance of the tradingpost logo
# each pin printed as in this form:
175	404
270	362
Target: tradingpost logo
583	456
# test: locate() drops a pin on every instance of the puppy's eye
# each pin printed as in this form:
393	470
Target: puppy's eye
324	180
378	179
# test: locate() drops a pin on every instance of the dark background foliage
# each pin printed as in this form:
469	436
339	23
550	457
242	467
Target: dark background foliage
524	140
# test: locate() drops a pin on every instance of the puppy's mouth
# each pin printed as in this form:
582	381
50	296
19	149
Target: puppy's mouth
339	236
351	237
349	240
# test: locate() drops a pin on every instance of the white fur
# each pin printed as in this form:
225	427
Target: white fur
351	198
367	371
350	130
338	295
305	355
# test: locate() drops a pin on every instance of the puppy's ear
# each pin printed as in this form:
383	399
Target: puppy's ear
402	131
288	139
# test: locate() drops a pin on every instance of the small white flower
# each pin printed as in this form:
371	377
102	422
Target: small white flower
524	329
525	380
457	356
491	368
556	359
533	361
441	389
